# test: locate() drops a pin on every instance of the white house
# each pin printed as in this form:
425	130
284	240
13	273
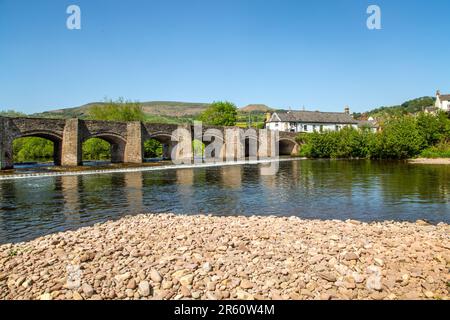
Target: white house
310	121
443	101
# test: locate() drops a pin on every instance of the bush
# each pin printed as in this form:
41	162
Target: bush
96	149
433	128
120	110
220	114
347	143
442	150
399	139
402	137
152	149
32	149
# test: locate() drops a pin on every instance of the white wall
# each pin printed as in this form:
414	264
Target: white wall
444	105
310	127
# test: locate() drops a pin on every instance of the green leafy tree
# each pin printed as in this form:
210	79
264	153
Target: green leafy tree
32	149
96	149
220	113
198	148
400	139
12	113
119	110
434	128
152	149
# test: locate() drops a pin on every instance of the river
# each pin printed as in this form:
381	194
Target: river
323	189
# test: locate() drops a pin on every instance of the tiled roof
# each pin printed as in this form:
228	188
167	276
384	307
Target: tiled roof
316	117
444	97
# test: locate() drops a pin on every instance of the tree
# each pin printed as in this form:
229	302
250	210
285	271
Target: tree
12	113
119	110
152	149
434	128
96	149
220	113
400	139
32	149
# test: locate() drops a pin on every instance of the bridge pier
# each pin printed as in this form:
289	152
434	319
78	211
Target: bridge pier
234	145
71	144
181	152
6	149
134	145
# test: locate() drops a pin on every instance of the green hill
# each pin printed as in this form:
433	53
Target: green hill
411	106
151	108
159	111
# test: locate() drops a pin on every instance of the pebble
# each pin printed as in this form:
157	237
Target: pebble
165	256
155	276
144	288
245	284
187	279
87	290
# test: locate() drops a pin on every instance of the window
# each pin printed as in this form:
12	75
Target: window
305	128
321	128
314	127
276	124
338	128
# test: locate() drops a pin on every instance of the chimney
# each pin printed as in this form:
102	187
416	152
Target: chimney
347	110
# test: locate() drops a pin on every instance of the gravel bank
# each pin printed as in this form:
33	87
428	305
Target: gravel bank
202	257
430	161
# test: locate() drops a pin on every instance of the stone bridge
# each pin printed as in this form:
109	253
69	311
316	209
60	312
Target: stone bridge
127	139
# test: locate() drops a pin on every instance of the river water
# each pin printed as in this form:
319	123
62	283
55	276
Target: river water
324	189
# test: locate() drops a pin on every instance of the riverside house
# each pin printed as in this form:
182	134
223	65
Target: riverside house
442	101
310	121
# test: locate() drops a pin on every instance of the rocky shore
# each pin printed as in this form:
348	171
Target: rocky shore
202	257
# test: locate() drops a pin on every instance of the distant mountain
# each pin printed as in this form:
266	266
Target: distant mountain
178	112
256	108
153	109
150	108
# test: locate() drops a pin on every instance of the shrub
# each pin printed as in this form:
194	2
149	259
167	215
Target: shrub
400	139
220	114
442	150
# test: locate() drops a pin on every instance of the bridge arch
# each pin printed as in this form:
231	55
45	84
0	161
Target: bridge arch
287	147
116	142
53	137
45	134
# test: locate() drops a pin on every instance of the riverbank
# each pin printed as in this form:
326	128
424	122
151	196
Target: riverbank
168	256
430	161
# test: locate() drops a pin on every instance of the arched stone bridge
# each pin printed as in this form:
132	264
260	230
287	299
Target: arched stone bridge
127	139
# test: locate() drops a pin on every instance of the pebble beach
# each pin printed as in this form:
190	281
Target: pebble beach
166	256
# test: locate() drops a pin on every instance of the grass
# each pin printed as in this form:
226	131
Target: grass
12	252
441	150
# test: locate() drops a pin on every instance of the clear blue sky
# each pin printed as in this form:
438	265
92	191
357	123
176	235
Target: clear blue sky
283	53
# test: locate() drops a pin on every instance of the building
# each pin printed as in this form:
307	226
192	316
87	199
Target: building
442	101
310	121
